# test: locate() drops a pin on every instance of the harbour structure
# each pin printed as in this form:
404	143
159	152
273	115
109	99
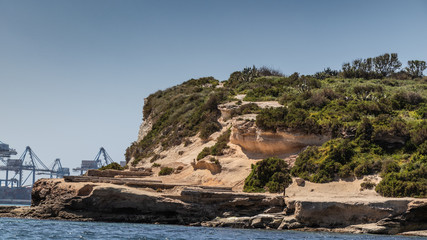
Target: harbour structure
20	174
101	159
22	171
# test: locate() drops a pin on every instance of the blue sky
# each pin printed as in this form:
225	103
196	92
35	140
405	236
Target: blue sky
73	74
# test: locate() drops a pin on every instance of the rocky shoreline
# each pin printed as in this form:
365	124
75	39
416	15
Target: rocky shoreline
122	199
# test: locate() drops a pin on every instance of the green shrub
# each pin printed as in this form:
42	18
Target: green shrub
419	134
345	171
367	185
365	129
389	166
321	165
293	119
155	158
270	174
155	165
245	109
113	165
166	171
422	111
410	181
406	100
208	128
305	164
341	151
206	151
271	118
218	148
367	167
214	160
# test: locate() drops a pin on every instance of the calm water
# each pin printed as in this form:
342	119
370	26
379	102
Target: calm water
46	229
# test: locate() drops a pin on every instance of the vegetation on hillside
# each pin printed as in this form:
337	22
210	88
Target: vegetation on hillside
114	166
218	148
178	113
166	171
270	174
374	109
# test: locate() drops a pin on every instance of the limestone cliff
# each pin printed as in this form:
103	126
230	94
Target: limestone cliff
145	126
94	198
248	144
261	144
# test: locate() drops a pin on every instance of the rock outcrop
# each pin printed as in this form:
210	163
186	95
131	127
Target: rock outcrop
95	201
261	144
145	126
386	217
213	167
344	213
119	173
137	200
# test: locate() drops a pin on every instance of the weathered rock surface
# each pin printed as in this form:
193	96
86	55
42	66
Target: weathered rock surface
56	199
145	126
214	168
132	200
421	233
116	173
260	144
337	214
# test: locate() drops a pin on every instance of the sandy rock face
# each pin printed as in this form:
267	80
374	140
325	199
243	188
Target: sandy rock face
146	125
56	199
247	145
93	199
327	214
212	167
145	128
261	144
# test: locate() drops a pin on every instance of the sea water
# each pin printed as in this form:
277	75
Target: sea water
22	229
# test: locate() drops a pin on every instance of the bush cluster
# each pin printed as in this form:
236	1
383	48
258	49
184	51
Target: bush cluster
245	109
408	180
290	119
367	185
218	148
166	171
113	165
365	154
271	174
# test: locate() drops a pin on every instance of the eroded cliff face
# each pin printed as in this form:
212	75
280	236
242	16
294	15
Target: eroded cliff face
145	127
129	200
150	203
339	213
258	144
261	144
247	145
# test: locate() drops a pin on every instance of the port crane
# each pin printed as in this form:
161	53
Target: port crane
101	159
57	170
23	170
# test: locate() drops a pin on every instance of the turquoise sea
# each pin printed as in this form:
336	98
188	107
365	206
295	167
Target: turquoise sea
47	229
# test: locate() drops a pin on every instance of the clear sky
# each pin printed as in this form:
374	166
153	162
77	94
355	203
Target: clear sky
74	74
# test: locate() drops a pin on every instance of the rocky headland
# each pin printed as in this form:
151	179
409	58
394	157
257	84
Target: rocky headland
263	151
110	197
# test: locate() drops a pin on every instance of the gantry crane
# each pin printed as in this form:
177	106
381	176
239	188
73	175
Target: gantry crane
101	159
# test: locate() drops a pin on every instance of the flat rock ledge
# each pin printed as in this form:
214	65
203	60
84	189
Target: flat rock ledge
140	201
